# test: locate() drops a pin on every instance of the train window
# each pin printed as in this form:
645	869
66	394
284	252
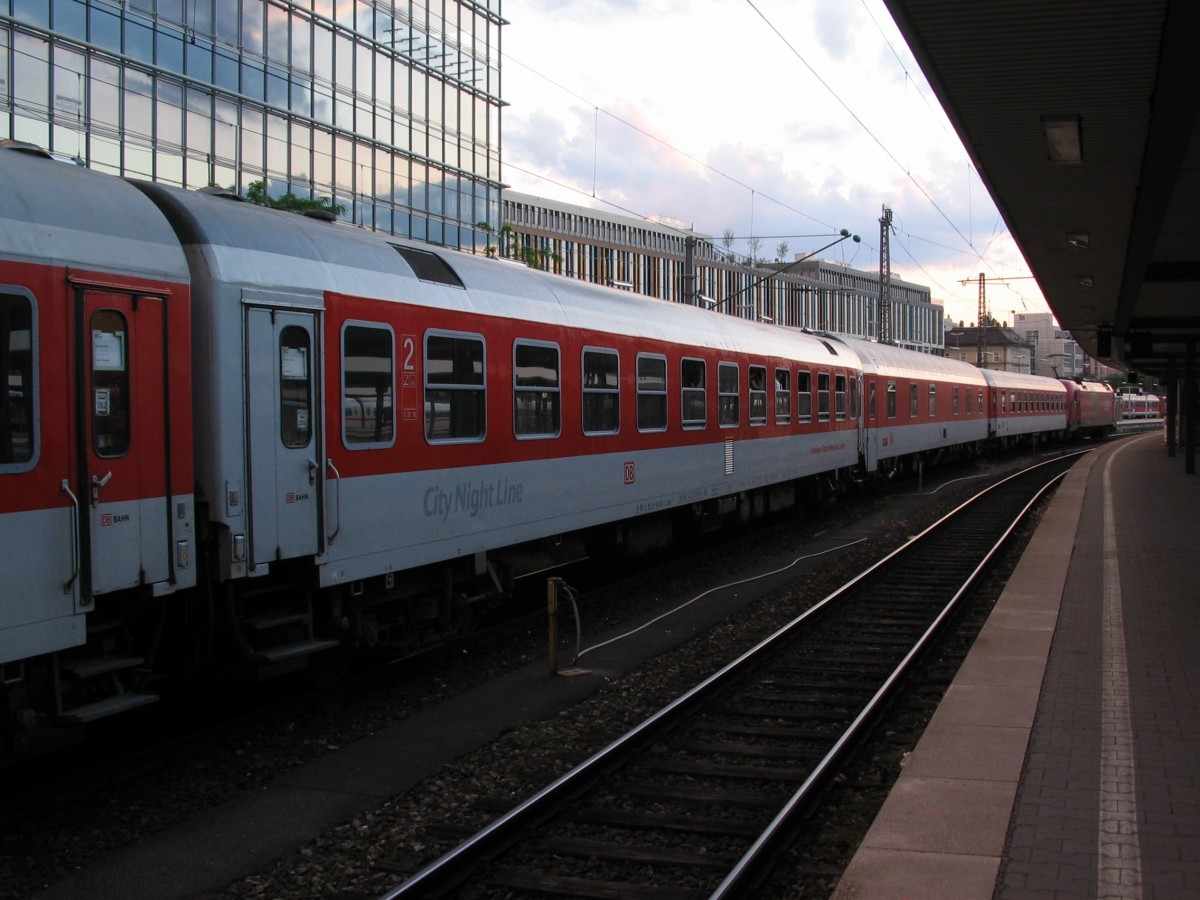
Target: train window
758	395
455	393
823	396
783	396
368	386
18	346
111	404
979	401
694	378
601	392
854	389
891	399
932	400
652	393
803	396
872	400
954	401
295	387
839	397
537	407
728	411
912	400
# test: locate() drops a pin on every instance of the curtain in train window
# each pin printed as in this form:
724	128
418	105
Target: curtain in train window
17	350
111	403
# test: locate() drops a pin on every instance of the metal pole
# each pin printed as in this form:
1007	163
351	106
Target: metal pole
552	612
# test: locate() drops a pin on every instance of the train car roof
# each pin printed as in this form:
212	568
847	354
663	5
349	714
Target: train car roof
255	247
885	359
60	213
1102	387
998	378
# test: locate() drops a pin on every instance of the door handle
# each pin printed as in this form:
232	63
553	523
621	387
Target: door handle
98	483
70	582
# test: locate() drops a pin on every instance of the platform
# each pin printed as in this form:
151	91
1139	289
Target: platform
1064	760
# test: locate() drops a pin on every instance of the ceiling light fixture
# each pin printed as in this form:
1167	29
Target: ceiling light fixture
1081	240
1063	141
1085	280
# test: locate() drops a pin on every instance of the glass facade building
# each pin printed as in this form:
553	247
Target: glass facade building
389	109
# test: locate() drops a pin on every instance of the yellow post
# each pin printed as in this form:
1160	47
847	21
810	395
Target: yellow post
552	612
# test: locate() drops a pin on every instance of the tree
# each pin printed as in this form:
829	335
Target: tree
781	251
256	192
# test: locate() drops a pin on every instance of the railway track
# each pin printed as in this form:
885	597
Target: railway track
697	800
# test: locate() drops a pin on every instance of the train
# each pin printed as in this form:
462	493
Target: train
239	442
1139	405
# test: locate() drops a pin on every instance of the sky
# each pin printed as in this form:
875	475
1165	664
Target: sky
785	120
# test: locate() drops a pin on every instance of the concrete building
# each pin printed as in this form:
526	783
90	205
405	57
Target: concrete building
666	259
390	110
993	347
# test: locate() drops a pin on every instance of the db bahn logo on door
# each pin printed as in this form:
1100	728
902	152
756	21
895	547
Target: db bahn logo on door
629	473
107	519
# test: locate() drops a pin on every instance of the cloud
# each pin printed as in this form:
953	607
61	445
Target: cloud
700	111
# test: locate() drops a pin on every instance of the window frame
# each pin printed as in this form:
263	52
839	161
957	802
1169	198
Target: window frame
599	391
804	396
451	387
644	396
360	444
724	408
520	391
693	424
783	396
757	396
31	389
823	399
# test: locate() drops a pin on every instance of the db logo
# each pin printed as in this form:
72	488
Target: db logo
105	520
291	497
629	477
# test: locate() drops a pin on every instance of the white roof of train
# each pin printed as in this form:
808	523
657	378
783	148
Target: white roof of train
266	249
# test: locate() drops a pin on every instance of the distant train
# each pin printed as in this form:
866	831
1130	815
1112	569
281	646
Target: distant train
237	442
1139	406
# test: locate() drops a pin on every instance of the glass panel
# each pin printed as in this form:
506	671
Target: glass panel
601	392
110	383
295	389
804	396
823	396
454	388
783	396
536	395
70	18
695	393
367	385
758	395
17	349
728	412
652	393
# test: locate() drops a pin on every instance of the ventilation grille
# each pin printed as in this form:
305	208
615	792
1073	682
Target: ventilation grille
729	457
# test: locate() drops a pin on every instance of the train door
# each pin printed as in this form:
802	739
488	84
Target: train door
286	456
124	464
